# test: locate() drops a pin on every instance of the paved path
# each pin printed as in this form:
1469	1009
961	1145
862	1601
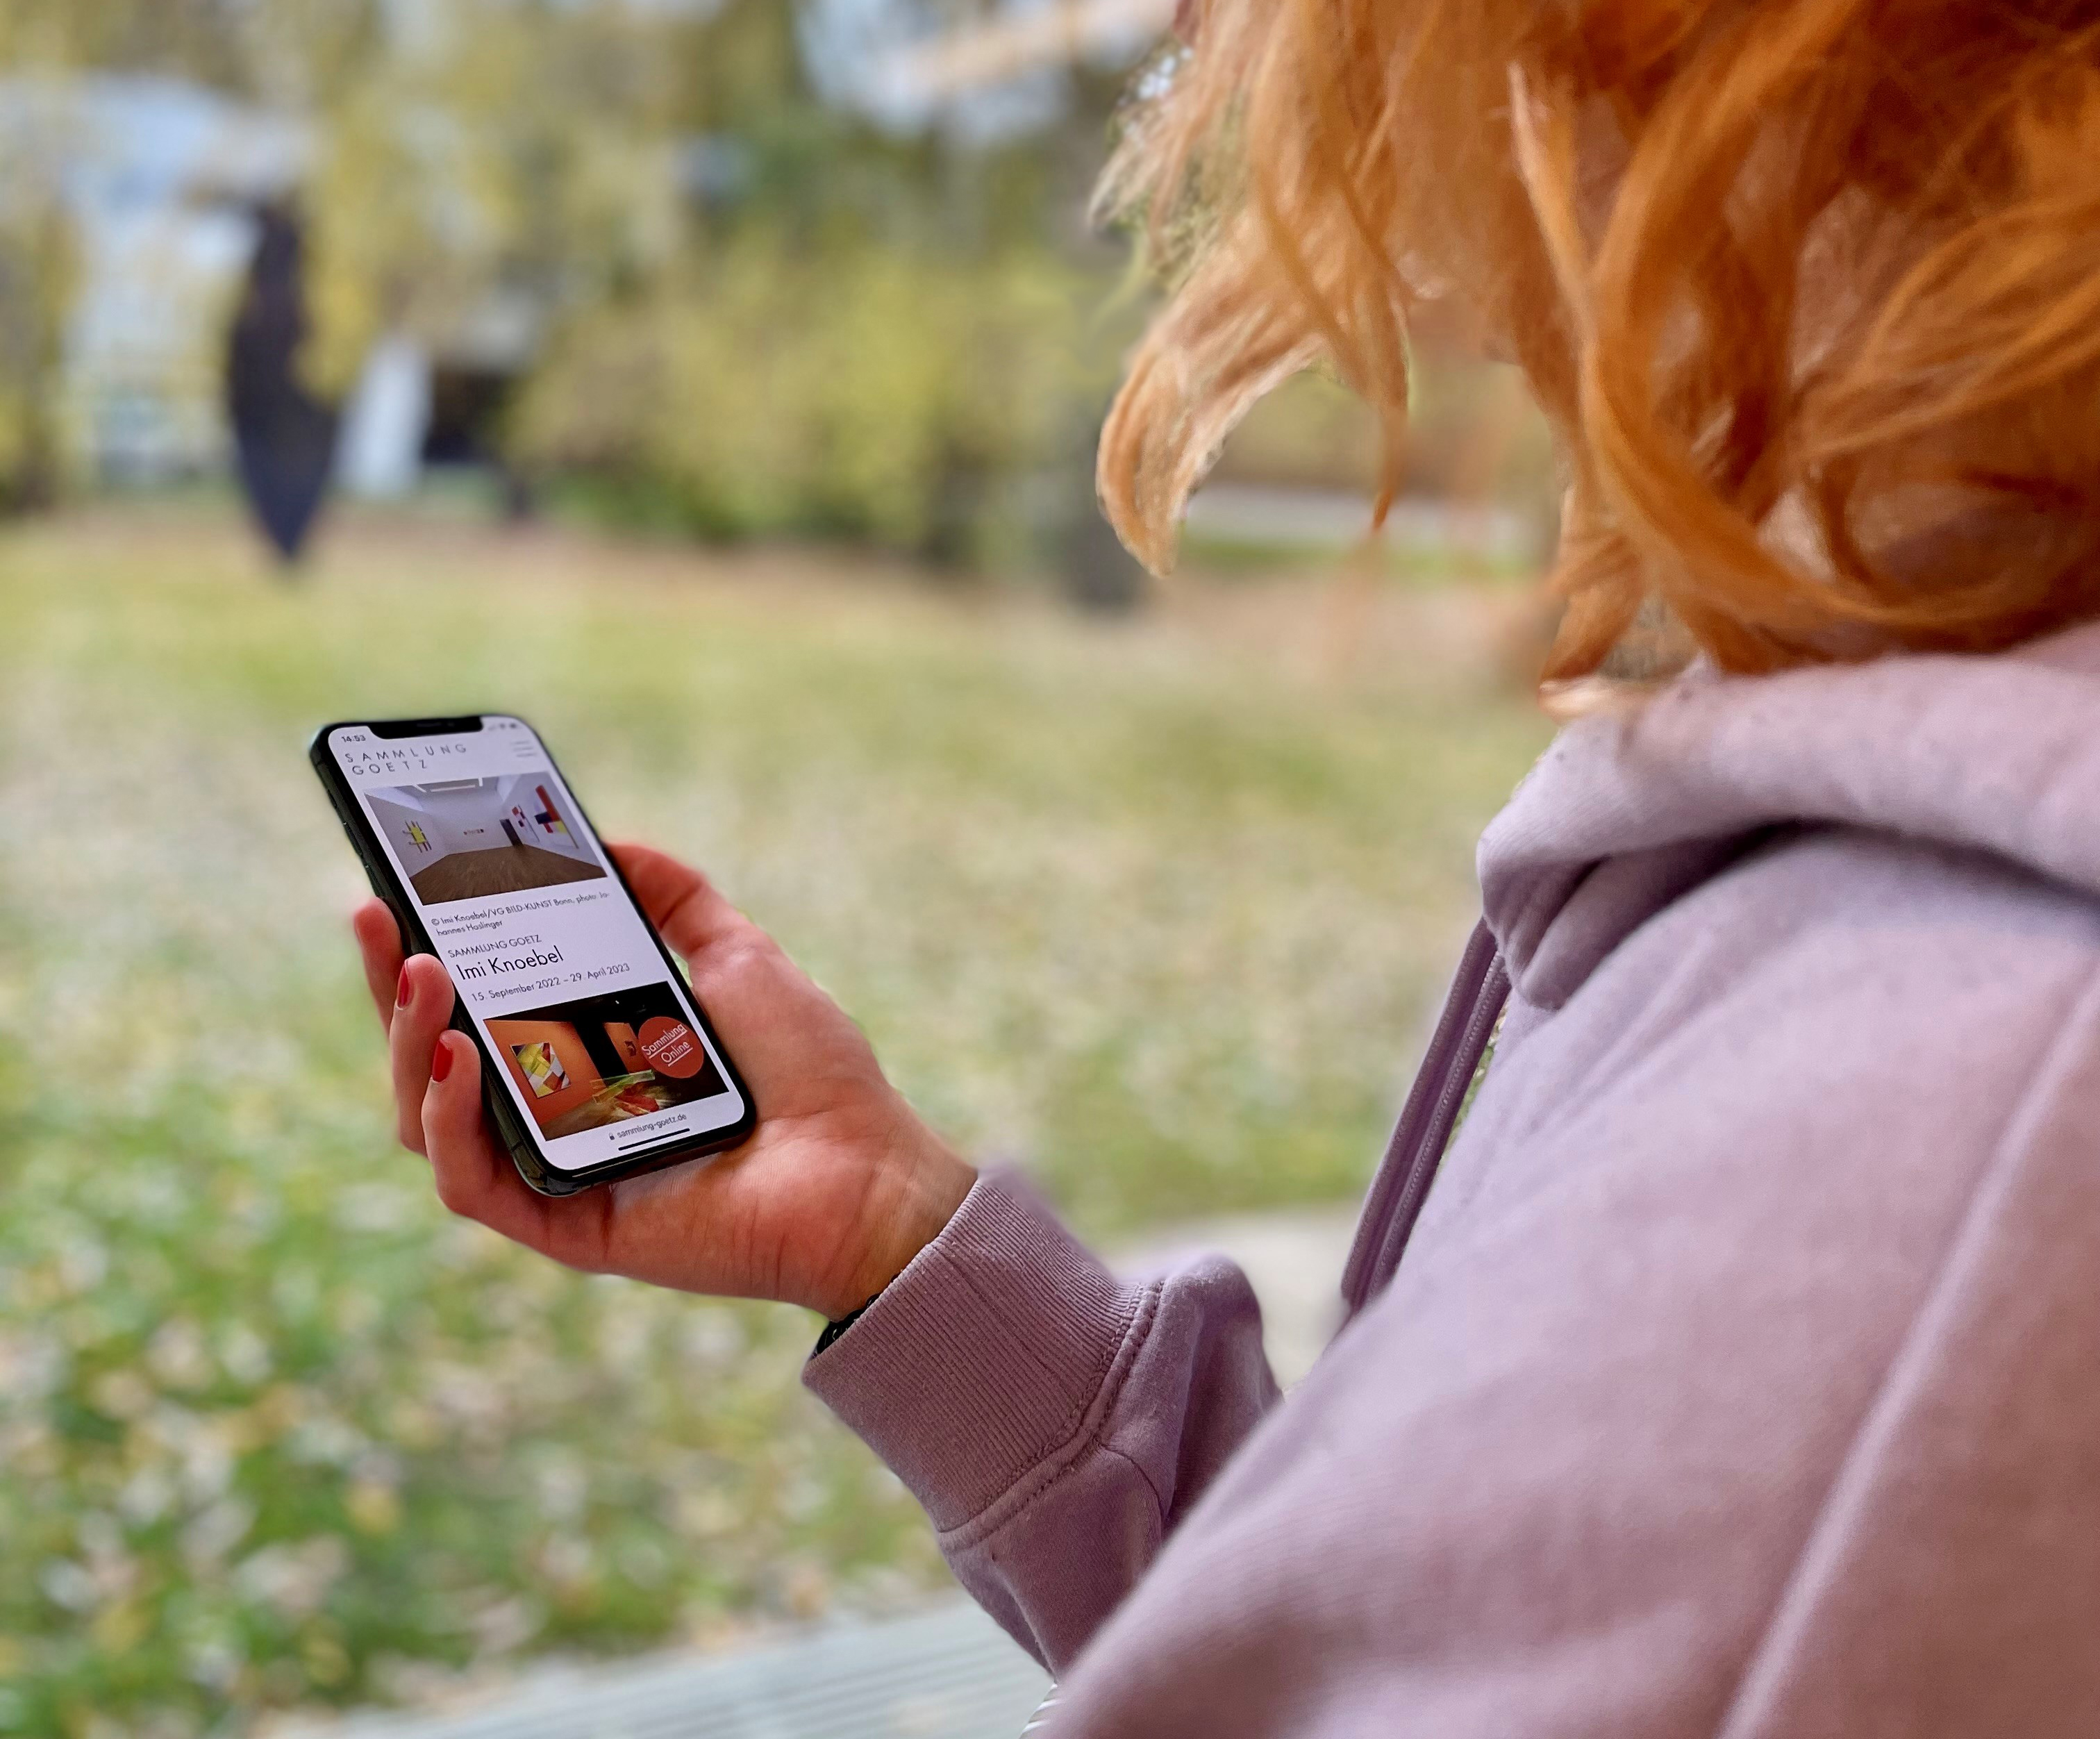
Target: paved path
947	1672
1294	1260
1315	519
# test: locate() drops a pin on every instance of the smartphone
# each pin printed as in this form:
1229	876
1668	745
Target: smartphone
597	1063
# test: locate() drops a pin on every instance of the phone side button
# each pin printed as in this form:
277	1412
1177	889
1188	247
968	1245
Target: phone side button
370	874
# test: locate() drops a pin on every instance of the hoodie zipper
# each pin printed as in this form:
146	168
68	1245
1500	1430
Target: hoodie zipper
1479	991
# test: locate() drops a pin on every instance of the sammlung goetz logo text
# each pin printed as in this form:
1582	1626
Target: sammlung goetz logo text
361	762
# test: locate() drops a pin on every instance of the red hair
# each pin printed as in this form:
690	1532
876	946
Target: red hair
1810	289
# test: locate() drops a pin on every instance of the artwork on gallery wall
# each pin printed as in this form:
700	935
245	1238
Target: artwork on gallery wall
470	838
550	818
621	1036
624	1054
542	1068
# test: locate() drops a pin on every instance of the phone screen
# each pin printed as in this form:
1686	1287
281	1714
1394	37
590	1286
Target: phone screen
597	1038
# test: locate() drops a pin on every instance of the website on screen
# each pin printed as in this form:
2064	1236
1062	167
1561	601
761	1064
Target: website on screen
599	1043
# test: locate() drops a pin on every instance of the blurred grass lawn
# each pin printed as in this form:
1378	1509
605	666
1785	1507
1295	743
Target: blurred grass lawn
1139	905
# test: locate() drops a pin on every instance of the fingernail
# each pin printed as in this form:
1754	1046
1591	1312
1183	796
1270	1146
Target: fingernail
404	990
441	1060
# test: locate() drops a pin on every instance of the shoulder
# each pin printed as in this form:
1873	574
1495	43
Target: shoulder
1827	1041
1830	967
1759	1282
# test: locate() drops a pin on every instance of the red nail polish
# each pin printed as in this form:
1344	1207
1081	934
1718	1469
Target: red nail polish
403	991
441	1060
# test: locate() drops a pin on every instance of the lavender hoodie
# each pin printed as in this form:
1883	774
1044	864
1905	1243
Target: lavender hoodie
1742	1374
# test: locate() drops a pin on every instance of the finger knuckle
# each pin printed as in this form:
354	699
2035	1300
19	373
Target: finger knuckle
454	1193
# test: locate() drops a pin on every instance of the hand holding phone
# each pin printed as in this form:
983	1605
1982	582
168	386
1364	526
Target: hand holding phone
568	1083
600	1063
840	1186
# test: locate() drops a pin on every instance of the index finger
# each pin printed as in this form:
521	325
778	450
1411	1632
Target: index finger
379	947
682	902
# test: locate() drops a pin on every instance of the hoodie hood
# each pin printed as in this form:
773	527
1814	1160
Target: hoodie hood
1625	813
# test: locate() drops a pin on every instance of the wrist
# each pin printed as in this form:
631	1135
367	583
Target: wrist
922	1187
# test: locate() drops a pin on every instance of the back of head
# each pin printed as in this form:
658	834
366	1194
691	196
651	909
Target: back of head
1810	289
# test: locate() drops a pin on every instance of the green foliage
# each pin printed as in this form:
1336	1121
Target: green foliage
273	1430
856	391
760	316
36	276
290	53
498	149
737	311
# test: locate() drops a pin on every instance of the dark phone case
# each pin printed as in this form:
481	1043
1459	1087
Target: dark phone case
518	1139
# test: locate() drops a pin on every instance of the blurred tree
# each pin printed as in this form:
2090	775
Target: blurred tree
759	312
516	148
37	274
826	325
292	54
845	389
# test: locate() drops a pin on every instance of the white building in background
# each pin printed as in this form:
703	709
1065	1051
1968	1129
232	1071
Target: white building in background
159	178
379	450
911	64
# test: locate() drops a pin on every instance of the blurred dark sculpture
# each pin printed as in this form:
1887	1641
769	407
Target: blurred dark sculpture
284	437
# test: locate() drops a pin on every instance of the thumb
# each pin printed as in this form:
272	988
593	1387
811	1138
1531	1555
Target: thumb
682	902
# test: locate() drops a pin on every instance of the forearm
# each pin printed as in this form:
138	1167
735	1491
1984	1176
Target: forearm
1055	1422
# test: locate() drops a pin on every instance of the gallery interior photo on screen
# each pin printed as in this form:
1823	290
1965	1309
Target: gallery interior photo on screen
605	1060
464	839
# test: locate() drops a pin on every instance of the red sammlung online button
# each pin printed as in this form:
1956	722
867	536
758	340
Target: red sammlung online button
672	1046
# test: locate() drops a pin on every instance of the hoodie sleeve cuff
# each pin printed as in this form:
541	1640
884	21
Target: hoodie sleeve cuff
985	1356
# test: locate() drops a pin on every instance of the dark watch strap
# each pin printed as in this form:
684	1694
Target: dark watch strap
832	1331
